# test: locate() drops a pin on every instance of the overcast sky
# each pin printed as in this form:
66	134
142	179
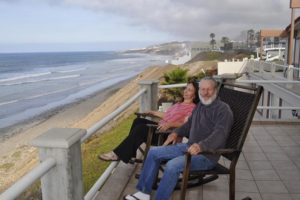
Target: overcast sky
62	25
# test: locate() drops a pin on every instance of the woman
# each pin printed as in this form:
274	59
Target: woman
174	117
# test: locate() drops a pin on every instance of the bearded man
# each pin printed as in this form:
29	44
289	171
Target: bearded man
207	129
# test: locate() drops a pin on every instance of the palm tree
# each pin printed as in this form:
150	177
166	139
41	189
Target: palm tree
257	37
224	40
177	75
212	41
250	37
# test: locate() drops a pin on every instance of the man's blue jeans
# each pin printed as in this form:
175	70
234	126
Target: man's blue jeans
175	165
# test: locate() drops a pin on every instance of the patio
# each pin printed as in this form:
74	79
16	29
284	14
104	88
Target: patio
268	169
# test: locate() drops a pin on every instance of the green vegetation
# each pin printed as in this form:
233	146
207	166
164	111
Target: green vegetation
212	41
92	166
219	56
177	75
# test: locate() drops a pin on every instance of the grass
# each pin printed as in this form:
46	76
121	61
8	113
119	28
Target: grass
92	166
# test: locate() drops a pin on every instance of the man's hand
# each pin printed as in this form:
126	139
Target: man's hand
172	138
194	149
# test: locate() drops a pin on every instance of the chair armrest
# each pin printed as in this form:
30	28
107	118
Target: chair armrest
138	114
152	125
144	115
170	130
165	132
220	151
216	152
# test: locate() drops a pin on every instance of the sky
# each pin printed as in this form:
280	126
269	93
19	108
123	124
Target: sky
99	25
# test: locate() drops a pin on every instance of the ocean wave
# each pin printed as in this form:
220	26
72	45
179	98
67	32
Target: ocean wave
24	77
8	102
72	70
40	80
36	96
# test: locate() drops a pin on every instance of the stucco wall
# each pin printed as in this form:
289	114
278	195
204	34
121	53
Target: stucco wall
229	67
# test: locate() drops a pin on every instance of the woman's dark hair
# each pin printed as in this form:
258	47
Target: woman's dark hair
195	84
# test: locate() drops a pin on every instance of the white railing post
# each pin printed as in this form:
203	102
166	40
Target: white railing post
64	181
261	68
273	69
290	75
148	100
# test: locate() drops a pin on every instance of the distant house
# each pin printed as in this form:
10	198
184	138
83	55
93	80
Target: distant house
235	45
197	47
296	47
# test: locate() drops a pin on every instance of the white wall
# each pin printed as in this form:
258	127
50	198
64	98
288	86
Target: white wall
230	67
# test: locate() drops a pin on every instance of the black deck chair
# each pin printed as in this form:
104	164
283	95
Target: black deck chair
243	102
162	135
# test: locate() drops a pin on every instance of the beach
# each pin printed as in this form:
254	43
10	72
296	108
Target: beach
17	156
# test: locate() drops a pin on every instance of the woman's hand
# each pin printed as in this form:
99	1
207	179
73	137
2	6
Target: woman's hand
164	127
172	138
151	113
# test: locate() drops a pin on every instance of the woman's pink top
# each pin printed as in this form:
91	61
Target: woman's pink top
178	113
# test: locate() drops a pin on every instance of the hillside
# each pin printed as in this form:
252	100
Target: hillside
220	56
170	48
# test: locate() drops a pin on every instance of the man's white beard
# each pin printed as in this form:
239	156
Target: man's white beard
208	101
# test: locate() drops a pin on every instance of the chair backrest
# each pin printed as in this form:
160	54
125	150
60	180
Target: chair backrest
243	101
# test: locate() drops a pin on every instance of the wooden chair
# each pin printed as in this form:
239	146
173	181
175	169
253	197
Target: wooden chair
243	102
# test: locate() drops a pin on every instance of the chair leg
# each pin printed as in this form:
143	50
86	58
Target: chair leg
149	140
185	176
232	185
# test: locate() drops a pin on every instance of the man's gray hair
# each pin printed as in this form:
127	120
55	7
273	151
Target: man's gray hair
209	78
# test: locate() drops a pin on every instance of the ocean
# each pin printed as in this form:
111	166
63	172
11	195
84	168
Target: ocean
35	83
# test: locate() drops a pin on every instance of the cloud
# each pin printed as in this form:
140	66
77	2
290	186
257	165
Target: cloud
190	19
195	19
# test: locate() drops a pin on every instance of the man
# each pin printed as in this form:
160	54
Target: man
207	128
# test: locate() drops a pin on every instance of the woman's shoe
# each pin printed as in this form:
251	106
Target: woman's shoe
110	156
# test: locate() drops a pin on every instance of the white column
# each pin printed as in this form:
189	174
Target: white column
64	181
148	100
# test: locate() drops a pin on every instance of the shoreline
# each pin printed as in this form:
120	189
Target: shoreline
70	113
15	129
